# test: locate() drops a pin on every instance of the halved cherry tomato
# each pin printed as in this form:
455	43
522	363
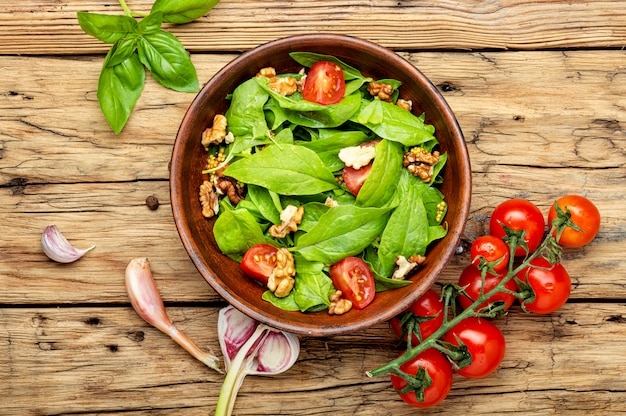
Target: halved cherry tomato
353	277
551	284
354	178
519	214
485	343
472	281
324	84
429	305
440	371
583	213
259	262
491	249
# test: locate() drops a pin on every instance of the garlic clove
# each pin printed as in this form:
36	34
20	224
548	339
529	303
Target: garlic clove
277	353
234	329
57	248
146	300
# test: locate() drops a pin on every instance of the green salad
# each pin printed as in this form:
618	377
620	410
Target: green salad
280	176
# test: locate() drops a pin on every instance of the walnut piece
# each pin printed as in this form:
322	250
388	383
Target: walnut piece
380	90
406	266
230	187
290	217
209	200
216	133
281	280
338	305
281	85
420	162
405	104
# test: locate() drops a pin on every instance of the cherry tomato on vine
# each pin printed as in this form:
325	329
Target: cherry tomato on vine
353	277
354	178
583	213
429	305
485	343
324	84
471	277
519	214
259	262
551	285
440	371
492	249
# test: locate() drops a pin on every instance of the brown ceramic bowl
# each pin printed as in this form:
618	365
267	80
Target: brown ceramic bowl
188	160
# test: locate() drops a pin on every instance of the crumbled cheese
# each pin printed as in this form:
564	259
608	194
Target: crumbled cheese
357	156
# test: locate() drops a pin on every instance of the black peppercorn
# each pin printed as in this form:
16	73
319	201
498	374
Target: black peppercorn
152	202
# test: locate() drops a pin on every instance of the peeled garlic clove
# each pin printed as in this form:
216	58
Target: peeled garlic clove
57	248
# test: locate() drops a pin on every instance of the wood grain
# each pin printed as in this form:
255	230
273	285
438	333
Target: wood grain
538	89
235	25
103	361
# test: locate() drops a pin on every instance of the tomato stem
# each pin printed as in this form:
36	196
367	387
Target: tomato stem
549	249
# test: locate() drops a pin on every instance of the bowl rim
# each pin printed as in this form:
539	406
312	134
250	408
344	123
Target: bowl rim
304	40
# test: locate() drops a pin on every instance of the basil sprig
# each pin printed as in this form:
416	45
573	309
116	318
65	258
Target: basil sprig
139	44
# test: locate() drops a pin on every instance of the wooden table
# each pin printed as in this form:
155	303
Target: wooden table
539	89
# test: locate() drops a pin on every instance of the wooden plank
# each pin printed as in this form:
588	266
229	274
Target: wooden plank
43	27
60	163
99	361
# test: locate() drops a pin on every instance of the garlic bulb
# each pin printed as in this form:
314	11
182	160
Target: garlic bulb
57	248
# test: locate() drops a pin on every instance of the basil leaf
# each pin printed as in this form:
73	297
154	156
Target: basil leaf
122	50
286	169
343	231
236	231
150	24
168	61
105	27
119	87
183	11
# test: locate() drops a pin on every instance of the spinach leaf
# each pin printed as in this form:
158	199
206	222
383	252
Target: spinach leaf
286	169
406	232
183	11
308	114
386	283
343	231
168	61
397	124
331	141
119	88
309	58
105	27
380	185
264	203
235	231
246	119
311	291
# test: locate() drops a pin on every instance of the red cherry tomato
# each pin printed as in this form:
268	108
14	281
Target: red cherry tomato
492	249
354	178
472	278
439	370
259	262
353	277
428	305
583	213
484	341
552	286
519	214
324	84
